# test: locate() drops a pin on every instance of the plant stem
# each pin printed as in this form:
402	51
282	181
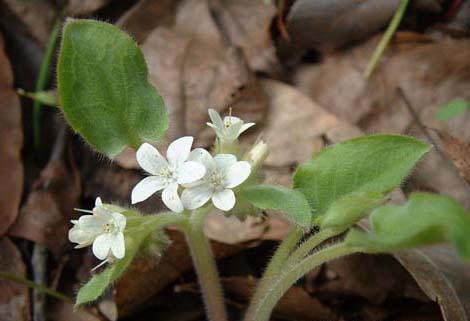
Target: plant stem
43	78
311	243
273	269
38	287
392	27
284	281
205	266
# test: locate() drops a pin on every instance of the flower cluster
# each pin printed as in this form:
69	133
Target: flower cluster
102	228
202	176
187	179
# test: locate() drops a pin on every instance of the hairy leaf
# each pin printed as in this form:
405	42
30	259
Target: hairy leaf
424	219
94	288
289	201
376	163
349	209
103	88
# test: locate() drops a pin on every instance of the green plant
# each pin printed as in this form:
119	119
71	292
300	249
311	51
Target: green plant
106	98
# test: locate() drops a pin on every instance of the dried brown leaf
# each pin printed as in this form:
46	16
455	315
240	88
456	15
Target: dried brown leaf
195	70
45	216
11	141
443	276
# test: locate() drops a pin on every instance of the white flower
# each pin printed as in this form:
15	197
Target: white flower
229	129
167	175
223	173
104	229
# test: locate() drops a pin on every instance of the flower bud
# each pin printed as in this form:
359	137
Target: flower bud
257	154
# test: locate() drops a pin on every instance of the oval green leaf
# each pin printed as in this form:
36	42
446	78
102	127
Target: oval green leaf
376	163
290	202
103	88
424	219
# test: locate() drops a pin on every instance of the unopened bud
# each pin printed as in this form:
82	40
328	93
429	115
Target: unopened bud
257	154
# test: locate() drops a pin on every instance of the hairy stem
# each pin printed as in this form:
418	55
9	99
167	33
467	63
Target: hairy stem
284	281
273	269
311	243
392	27
205	266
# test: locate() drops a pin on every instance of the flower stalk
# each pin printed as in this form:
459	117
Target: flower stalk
264	307
205	265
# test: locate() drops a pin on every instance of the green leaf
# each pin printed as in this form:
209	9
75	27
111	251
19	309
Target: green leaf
424	219
376	163
452	109
94	288
291	202
48	98
103	88
349	209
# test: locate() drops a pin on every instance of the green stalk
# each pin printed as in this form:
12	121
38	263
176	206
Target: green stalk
42	80
273	269
315	240
264	307
392	27
205	266
38	287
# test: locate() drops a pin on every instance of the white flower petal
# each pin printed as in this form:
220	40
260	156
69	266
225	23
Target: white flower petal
171	198
237	174
216	120
230	120
224	200
224	161
233	130
102	245
146	187
202	156
189	172
98	202
150	159
196	197
178	151
118	247
119	220
80	236
245	127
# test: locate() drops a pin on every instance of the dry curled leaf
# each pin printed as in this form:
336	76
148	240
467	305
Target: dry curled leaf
443	276
11	141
